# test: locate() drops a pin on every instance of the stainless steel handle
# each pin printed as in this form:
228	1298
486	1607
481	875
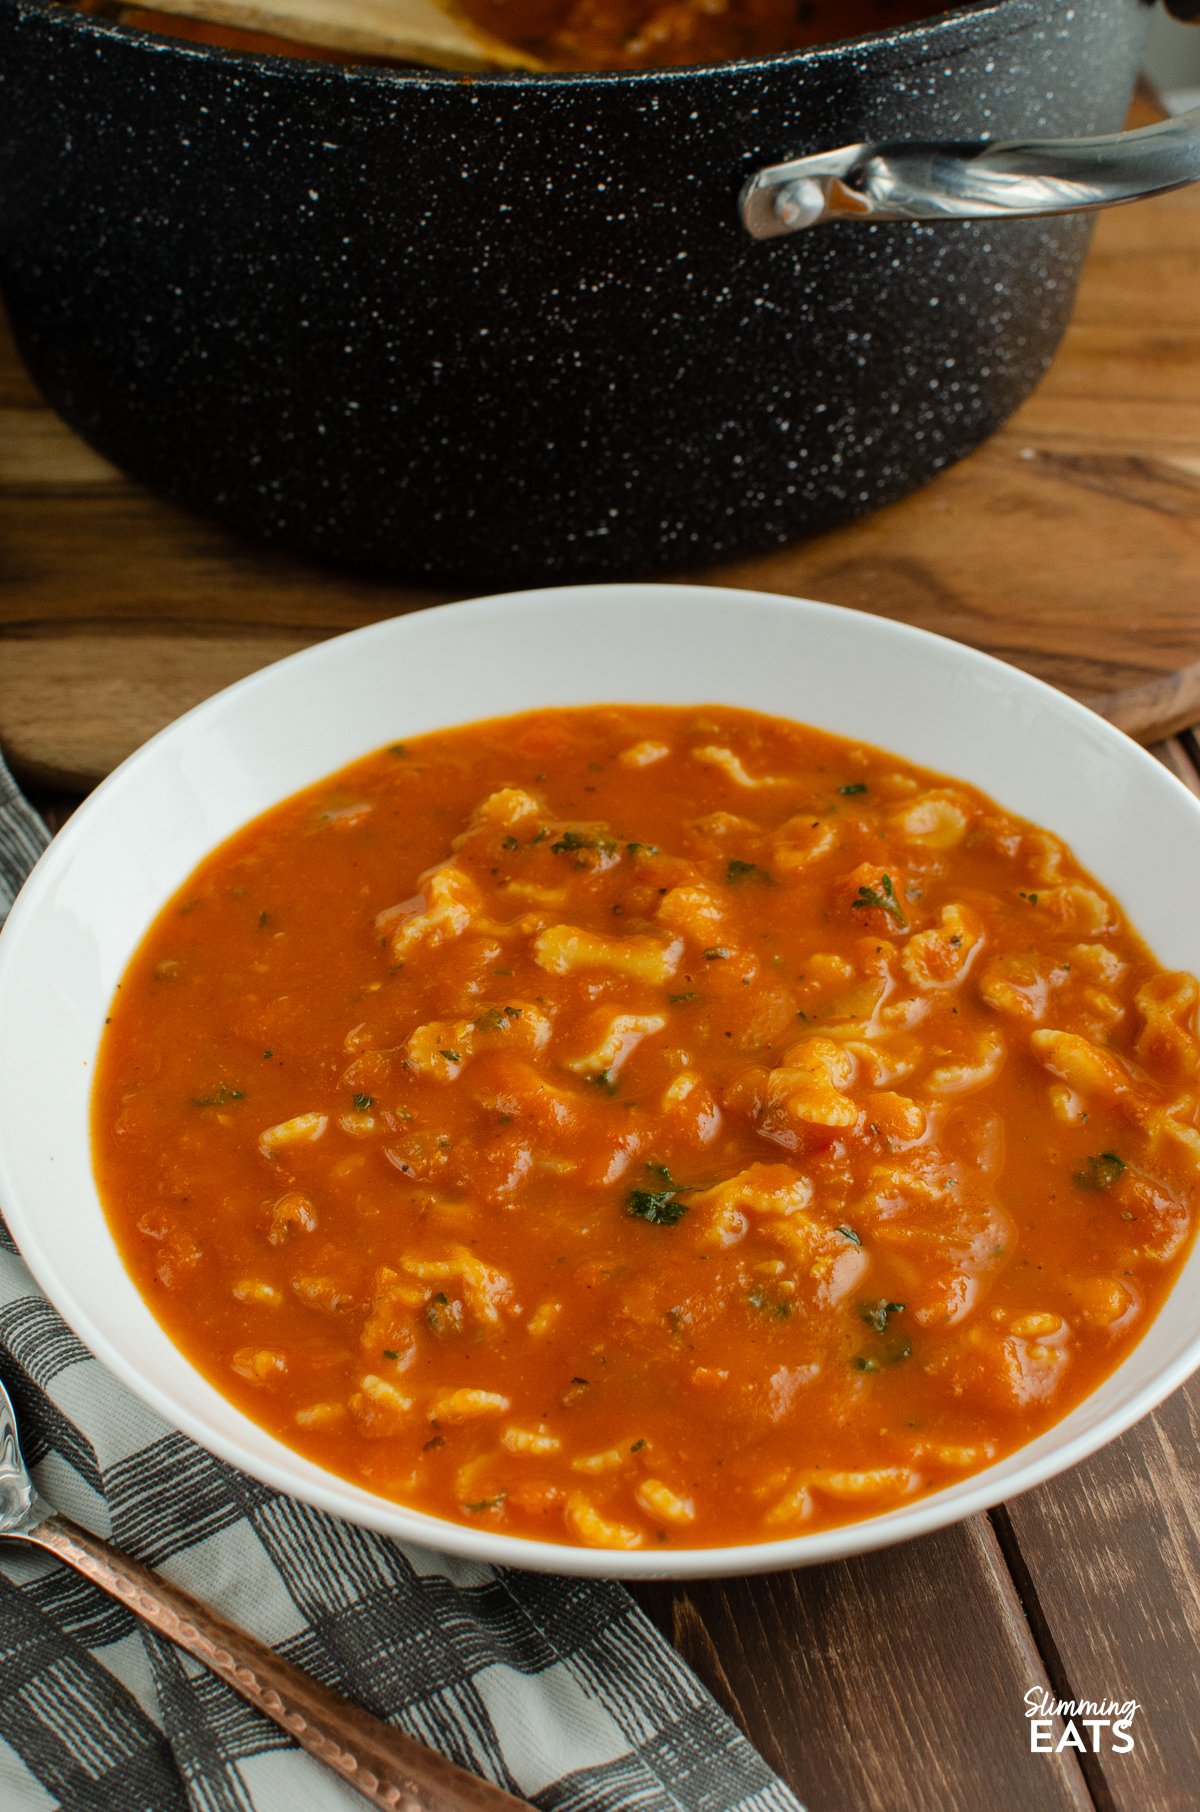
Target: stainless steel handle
971	181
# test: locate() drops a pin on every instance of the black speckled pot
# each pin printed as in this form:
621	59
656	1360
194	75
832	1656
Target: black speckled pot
510	329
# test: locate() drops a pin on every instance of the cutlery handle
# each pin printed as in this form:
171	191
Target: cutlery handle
389	1769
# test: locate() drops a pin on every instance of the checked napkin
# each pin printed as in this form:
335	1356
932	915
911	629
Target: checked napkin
558	1689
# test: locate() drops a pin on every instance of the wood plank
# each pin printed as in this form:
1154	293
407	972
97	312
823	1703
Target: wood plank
893	1680
1109	1558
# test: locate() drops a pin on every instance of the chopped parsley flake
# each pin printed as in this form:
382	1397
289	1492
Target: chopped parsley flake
737	870
876	1314
661	1207
220	1096
450	1056
1100	1171
884	897
571	841
854	786
758	1299
850	1234
363	1102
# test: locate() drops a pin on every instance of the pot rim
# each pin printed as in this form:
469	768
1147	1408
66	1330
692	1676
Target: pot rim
924	34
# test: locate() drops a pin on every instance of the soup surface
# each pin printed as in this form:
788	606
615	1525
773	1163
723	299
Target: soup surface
634	1125
606	34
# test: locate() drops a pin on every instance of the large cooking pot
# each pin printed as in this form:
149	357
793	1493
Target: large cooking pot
521	327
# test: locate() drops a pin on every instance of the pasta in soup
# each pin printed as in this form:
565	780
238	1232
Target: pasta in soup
639	1126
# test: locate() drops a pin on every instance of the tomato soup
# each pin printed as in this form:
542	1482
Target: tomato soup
598	34
640	1126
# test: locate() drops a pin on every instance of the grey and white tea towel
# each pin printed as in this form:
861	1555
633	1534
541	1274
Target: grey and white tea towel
557	1689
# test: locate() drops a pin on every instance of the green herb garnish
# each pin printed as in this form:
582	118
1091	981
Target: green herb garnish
661	1207
572	841
220	1096
737	870
363	1102
1100	1171
850	1234
450	1056
758	1299
876	1314
884	897
854	786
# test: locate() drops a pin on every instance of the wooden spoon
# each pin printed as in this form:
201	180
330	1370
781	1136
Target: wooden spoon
408	31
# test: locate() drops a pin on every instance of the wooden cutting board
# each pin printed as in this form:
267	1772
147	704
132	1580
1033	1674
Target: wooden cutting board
1069	543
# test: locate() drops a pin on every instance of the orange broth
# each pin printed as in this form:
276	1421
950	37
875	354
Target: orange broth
639	1126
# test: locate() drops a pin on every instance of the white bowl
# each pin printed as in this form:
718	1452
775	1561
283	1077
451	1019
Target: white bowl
86	907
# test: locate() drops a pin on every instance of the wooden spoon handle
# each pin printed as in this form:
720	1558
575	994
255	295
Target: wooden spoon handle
409	31
391	1770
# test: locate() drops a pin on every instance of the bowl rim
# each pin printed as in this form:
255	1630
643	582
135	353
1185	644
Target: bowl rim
923	1515
923	33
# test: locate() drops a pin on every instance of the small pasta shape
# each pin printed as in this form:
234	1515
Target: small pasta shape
292	1213
595	1530
256	1289
259	1364
624	1033
664	1505
729	764
560	949
439	1049
507	806
301	1129
536	1441
692	911
873	1482
320	1415
979	1066
810	1084
800	844
1082	1065
644	754
467	1405
1078	911
941	957
934	820
444	910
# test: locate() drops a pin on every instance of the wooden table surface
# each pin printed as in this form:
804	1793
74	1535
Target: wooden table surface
1070	543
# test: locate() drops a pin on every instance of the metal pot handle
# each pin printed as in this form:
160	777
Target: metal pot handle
971	181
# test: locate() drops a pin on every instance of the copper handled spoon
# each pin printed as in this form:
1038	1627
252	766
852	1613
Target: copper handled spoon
409	31
389	1769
